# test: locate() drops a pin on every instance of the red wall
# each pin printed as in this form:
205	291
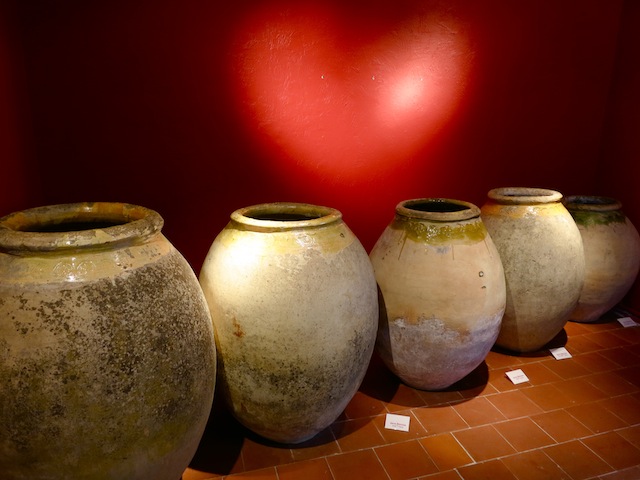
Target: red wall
14	185
618	168
197	108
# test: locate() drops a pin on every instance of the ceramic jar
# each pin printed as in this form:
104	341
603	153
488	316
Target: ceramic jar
611	250
294	305
442	292
543	258
107	356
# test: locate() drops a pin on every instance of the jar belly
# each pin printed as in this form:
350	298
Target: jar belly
442	294
543	260
107	355
123	363
612	254
295	312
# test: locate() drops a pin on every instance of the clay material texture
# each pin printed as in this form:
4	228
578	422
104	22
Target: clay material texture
442	292
107	356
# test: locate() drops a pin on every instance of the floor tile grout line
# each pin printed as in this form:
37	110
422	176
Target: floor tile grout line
544	362
593	434
410	411
429	456
613	412
517	452
581	423
539	449
613	468
381	462
335	439
333	477
542	450
474	461
527	450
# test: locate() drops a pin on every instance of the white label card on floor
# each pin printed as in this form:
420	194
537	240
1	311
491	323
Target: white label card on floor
627	322
517	376
560	353
397	422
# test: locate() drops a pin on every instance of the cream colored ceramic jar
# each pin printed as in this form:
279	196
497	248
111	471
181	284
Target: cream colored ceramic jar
543	258
294	304
443	290
107	356
612	254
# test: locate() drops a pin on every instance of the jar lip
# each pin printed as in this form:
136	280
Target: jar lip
592	203
437	209
281	216
58	227
524	195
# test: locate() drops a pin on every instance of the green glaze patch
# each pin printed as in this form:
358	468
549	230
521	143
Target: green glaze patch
586	218
440	233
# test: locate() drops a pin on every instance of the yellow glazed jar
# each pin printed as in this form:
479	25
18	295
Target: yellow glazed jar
294	305
442	292
543	258
611	250
107	356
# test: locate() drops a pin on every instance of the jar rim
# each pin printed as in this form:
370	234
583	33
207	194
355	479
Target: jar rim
524	195
438	209
281	216
60	227
592	203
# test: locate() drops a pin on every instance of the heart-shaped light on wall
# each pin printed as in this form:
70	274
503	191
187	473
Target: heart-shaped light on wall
347	95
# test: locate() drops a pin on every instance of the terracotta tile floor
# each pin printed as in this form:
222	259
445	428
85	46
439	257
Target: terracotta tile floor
576	418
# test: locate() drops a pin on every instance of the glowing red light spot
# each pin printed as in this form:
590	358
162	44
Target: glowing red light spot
341	103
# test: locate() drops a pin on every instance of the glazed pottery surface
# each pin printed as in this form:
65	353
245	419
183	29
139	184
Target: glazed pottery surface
543	258
611	250
107	356
442	292
294	305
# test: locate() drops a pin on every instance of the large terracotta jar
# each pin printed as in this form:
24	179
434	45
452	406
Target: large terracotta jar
543	259
442	292
294	305
611	250
107	356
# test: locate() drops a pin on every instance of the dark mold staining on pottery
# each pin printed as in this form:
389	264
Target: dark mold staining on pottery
288	399
113	367
57	410
588	218
145	319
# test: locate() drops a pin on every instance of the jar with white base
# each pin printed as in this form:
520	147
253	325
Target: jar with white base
442	292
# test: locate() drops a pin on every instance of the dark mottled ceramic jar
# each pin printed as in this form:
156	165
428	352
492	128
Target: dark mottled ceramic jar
107	356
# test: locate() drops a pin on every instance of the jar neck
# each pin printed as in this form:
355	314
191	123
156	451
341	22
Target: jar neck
284	216
592	203
437	210
524	196
74	226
